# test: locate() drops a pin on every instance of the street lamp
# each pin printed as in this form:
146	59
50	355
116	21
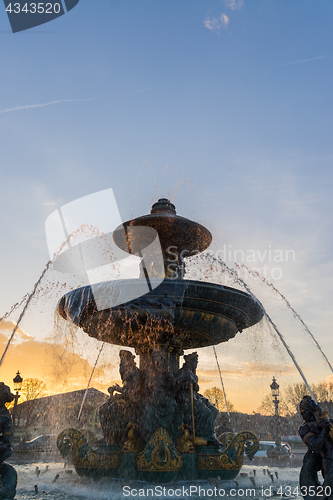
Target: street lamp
17	387
275	394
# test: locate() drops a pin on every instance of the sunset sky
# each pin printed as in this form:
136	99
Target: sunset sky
235	98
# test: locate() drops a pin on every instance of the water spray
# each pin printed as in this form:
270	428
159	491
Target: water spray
224	394
247	288
258	275
86	391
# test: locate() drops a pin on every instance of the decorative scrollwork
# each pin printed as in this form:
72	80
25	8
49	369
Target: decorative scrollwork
84	456
232	457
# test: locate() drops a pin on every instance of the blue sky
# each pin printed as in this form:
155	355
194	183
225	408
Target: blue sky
237	94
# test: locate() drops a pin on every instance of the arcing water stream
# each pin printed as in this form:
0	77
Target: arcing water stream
26	305
296	315
233	274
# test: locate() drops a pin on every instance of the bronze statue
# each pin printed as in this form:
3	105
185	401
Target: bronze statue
122	407
8	476
204	413
5	422
317	435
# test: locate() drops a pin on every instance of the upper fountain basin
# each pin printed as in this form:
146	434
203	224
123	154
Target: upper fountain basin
184	313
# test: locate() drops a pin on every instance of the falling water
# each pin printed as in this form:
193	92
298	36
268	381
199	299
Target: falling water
290	354
222	384
28	300
91	376
296	315
14	307
232	273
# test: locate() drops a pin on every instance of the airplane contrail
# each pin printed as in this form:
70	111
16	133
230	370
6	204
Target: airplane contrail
306	60
31	106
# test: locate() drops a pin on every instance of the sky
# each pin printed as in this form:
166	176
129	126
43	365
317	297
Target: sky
225	106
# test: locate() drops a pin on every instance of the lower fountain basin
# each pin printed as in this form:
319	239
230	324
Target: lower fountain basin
95	461
184	313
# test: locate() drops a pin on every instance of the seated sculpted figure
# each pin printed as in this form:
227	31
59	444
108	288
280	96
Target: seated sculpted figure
316	432
204	412
122	407
5	422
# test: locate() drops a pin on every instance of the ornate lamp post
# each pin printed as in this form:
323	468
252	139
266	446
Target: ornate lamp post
275	394
17	387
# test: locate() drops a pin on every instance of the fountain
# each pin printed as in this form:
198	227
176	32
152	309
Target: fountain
157	427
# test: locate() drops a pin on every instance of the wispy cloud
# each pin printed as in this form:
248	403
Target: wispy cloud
216	23
8	326
31	106
234	4
50	203
306	60
248	369
144	90
58	366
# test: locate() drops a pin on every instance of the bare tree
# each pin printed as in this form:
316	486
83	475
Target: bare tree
267	406
324	391
292	395
32	388
216	397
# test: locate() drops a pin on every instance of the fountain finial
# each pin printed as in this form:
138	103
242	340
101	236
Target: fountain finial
163	206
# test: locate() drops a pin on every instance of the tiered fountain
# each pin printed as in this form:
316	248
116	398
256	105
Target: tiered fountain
157	427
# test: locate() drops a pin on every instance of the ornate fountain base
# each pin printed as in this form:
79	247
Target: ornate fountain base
159	461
